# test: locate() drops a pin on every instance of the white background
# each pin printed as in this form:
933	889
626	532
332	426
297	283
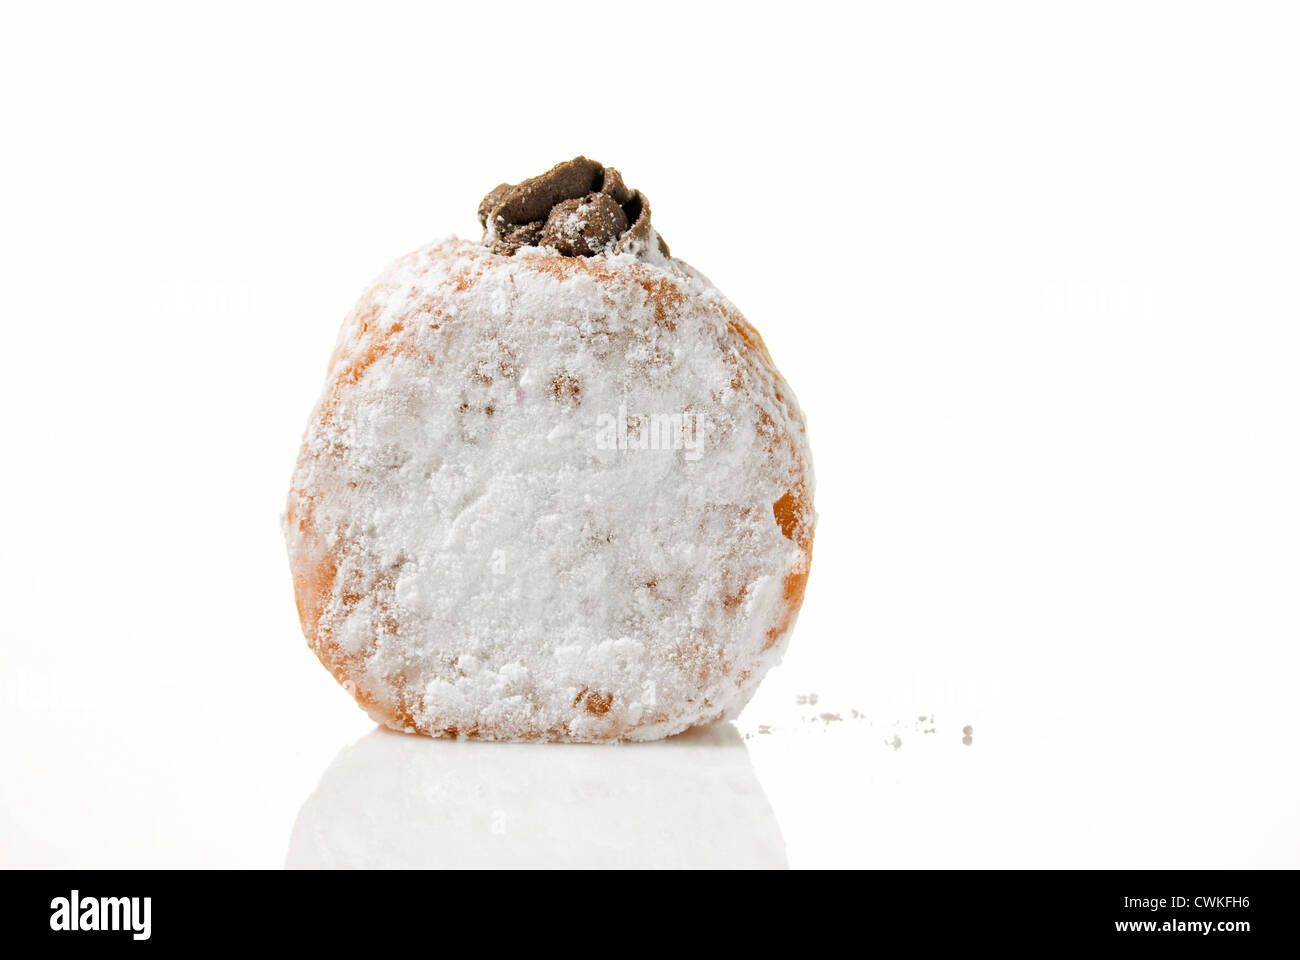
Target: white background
1031	269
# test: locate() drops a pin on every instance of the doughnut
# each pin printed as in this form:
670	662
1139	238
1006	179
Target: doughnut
554	487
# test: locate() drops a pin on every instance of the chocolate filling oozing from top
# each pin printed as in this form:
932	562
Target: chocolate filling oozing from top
580	208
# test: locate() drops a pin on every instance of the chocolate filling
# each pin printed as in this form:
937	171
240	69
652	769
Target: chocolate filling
580	208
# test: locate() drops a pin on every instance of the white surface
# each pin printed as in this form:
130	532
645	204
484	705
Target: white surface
1030	268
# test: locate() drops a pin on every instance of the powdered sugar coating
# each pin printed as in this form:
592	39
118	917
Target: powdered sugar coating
472	554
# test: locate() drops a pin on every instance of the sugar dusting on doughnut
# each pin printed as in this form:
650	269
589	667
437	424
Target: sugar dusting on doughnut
552	491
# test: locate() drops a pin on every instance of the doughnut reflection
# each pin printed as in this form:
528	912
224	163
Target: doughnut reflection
393	800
